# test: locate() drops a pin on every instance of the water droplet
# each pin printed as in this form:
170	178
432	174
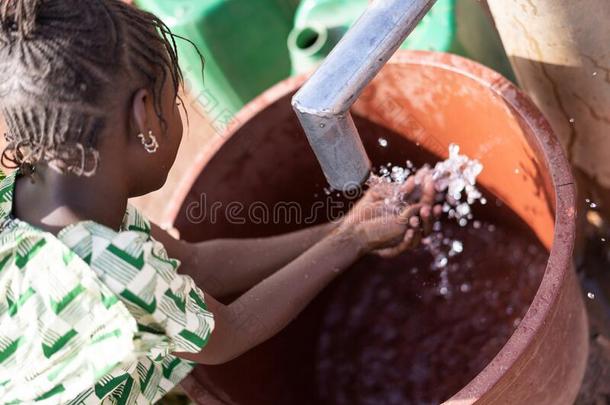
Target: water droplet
516	171
399	175
572	120
590	295
382	142
594	73
441	262
463	209
465	287
457	246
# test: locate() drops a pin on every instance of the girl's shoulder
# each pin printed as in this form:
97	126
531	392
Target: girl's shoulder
138	270
134	220
55	315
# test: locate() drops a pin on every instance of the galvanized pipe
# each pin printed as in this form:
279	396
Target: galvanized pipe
322	104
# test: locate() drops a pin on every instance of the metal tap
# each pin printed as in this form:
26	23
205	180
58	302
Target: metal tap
322	104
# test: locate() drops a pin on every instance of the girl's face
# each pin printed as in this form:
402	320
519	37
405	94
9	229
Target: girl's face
150	170
173	136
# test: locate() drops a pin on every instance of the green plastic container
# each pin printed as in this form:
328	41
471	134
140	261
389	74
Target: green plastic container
320	24
243	43
249	45
456	26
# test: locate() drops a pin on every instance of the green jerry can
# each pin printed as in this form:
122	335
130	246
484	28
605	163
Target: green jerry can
320	24
250	45
243	43
456	26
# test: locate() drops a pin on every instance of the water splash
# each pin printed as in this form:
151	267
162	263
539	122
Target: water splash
455	182
456	176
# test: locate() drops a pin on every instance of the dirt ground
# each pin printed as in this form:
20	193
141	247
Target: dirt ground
595	281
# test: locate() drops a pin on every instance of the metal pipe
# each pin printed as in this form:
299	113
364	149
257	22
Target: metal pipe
322	104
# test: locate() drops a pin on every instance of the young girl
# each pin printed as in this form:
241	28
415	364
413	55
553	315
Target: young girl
96	304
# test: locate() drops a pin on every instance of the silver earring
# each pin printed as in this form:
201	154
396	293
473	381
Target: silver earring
152	145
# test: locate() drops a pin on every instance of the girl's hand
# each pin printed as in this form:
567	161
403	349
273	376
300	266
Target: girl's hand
274	302
392	218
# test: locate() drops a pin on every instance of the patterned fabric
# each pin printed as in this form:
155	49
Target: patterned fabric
92	316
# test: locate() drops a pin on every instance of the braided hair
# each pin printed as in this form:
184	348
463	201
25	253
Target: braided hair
60	62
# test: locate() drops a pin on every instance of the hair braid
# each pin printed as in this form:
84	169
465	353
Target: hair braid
59	61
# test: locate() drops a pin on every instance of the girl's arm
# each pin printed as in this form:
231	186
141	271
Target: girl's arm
228	266
269	306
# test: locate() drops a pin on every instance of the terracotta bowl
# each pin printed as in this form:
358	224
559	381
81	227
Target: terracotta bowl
423	101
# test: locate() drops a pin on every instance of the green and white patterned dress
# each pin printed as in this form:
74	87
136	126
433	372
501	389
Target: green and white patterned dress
92	316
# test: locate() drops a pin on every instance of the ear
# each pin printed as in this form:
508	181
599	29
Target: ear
139	110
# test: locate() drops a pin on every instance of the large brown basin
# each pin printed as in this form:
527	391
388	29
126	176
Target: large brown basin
421	102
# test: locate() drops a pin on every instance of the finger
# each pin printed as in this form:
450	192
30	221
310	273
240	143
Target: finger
394	251
373	193
388	253
407	187
437	211
383	188
429	191
425	213
408	238
419	180
410	211
413	240
421	174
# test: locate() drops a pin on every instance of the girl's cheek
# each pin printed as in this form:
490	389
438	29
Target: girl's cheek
179	126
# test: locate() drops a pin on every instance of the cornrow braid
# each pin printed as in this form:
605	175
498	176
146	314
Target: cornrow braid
60	61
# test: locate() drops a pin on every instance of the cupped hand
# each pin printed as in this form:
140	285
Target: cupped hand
391	218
